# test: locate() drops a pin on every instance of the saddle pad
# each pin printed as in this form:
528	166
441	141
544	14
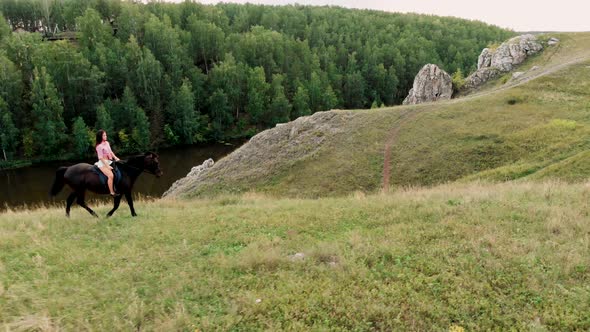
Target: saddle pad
103	178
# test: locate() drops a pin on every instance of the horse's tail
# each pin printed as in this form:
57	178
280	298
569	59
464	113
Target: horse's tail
58	183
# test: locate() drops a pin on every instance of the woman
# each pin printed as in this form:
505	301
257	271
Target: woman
105	156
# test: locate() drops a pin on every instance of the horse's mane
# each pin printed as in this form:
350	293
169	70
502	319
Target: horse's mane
137	159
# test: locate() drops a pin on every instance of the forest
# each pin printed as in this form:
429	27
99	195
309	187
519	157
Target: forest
159	74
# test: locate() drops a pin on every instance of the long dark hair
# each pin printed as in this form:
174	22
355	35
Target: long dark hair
99	136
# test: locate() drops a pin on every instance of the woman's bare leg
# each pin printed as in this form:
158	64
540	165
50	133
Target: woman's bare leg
106	170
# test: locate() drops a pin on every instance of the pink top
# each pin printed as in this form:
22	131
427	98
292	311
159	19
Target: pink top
103	150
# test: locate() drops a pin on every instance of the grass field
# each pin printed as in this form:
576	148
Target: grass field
512	256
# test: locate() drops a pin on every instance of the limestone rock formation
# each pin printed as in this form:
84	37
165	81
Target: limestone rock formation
480	76
268	153
485	58
431	84
491	63
514	52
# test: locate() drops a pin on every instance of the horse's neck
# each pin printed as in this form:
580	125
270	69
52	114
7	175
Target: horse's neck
136	166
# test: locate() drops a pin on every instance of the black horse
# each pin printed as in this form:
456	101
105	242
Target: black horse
82	177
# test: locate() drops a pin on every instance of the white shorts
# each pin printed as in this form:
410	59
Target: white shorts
101	164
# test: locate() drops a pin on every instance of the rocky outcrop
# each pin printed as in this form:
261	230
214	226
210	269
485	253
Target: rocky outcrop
431	84
514	52
480	76
268	153
485	58
491	63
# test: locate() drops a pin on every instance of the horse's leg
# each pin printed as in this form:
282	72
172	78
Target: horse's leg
81	202
130	202
116	206
69	202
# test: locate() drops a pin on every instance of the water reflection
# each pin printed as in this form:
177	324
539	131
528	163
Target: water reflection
29	186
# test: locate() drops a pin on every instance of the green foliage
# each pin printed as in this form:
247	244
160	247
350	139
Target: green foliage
11	87
80	138
28	144
103	119
92	31
8	133
140	135
206	43
79	83
258	99
184	118
300	103
170	136
220	112
123	138
49	128
326	57
280	108
4	29
458	80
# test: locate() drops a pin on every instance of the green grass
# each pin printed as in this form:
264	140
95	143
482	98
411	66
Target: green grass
480	257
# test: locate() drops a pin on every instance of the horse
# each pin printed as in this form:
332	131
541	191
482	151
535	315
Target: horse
82	177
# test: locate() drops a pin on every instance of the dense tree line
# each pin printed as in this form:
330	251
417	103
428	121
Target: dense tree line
160	74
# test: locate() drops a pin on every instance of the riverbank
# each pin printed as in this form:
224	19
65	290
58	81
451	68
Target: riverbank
29	186
472	256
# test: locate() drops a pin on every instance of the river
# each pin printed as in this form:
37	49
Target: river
29	186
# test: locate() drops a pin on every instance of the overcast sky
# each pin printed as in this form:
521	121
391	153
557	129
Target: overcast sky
520	15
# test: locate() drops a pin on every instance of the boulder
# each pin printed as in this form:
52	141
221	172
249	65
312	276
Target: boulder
484	59
514	52
480	76
492	63
430	84
552	41
517	74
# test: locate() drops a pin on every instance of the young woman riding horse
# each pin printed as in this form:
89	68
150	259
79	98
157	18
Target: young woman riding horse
105	159
82	177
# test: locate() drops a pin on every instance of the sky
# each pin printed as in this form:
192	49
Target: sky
519	15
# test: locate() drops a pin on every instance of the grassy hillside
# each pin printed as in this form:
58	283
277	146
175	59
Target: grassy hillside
473	256
509	130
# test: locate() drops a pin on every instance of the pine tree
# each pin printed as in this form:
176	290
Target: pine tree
49	128
80	138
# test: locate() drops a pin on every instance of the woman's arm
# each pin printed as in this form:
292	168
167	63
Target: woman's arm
113	154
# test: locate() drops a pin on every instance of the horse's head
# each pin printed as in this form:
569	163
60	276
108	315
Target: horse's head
152	163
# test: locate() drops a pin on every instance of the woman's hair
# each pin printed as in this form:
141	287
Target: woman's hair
99	136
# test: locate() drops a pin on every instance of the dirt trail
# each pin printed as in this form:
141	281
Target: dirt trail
411	114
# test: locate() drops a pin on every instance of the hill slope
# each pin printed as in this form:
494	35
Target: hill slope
524	128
